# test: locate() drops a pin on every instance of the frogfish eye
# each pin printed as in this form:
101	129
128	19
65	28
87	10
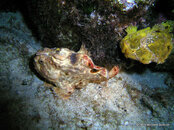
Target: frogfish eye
40	62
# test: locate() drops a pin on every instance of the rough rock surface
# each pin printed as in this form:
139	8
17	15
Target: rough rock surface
131	100
97	24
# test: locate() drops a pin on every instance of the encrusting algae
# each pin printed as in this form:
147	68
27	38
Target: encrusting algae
149	44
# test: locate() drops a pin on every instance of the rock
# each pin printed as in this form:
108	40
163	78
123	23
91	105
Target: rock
97	24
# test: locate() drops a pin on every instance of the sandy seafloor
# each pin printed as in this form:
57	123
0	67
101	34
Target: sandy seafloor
131	100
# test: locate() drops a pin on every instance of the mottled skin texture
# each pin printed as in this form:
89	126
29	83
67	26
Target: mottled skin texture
68	70
149	44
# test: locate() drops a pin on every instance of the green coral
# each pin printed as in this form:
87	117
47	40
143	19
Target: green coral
149	44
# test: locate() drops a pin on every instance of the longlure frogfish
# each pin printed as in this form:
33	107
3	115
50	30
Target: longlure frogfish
67	70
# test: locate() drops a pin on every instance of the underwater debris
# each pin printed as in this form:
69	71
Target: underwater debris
149	44
68	70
